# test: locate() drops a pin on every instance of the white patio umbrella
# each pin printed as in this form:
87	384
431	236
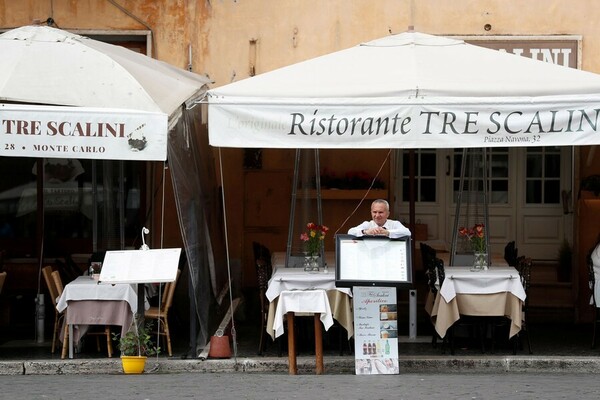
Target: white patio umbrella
60	90
410	90
41	65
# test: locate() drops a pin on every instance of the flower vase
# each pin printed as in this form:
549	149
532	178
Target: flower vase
479	261
306	263
314	263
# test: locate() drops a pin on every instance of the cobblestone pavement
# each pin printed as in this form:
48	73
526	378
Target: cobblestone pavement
279	386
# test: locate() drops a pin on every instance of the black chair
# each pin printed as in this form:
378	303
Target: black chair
428	256
592	284
511	254
262	262
437	275
524	267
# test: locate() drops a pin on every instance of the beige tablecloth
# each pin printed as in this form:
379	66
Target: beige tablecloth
496	292
445	314
83	313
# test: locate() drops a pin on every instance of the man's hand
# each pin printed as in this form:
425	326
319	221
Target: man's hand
378	230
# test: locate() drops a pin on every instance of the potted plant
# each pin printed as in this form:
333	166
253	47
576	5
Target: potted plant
135	346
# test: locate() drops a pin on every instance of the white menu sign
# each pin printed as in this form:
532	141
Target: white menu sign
140	266
375	330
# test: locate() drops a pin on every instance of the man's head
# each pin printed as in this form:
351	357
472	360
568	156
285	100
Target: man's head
380	211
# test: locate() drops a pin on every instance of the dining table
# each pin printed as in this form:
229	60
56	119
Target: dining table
497	291
293	291
87	302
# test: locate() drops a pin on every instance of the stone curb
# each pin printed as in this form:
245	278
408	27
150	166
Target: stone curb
333	365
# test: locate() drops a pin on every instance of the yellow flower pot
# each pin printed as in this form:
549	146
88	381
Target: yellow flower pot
133	364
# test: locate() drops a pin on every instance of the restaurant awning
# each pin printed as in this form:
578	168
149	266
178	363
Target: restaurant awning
410	90
82	98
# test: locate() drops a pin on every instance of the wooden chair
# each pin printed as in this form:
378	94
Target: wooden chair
58	285
54	295
161	313
106	332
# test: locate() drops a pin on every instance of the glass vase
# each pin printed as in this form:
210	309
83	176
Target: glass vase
314	263
307	263
479	261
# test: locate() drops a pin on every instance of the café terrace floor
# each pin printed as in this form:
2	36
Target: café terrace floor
547	340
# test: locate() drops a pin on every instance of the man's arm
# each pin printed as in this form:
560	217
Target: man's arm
358	230
397	230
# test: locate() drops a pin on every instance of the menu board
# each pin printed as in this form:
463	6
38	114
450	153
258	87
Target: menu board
140	266
375	330
373	260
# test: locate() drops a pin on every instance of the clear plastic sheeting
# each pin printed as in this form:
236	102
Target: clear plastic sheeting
199	210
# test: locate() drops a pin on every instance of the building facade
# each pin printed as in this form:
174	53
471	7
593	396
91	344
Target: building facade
535	193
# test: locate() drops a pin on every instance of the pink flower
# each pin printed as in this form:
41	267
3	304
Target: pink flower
313	237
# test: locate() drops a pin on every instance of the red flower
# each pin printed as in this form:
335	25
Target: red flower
313	237
475	235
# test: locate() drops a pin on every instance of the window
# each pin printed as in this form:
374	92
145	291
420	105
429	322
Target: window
542	181
425	175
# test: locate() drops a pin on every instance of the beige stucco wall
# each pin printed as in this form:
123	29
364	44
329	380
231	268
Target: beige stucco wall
288	31
291	31
220	34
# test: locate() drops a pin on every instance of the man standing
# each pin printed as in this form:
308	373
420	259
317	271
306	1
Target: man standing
380	224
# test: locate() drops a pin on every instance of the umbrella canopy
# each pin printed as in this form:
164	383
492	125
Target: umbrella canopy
117	93
410	90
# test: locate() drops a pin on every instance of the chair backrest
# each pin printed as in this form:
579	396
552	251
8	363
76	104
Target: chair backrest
511	253
440	271
57	282
47	273
262	256
428	255
2	279
524	268
167	300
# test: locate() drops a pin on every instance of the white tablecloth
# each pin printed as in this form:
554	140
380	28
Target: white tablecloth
306	301
596	265
298	279
494	280
85	288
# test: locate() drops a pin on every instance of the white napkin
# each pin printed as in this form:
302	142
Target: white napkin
308	301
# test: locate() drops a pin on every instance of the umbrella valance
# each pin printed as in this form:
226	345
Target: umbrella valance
410	90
